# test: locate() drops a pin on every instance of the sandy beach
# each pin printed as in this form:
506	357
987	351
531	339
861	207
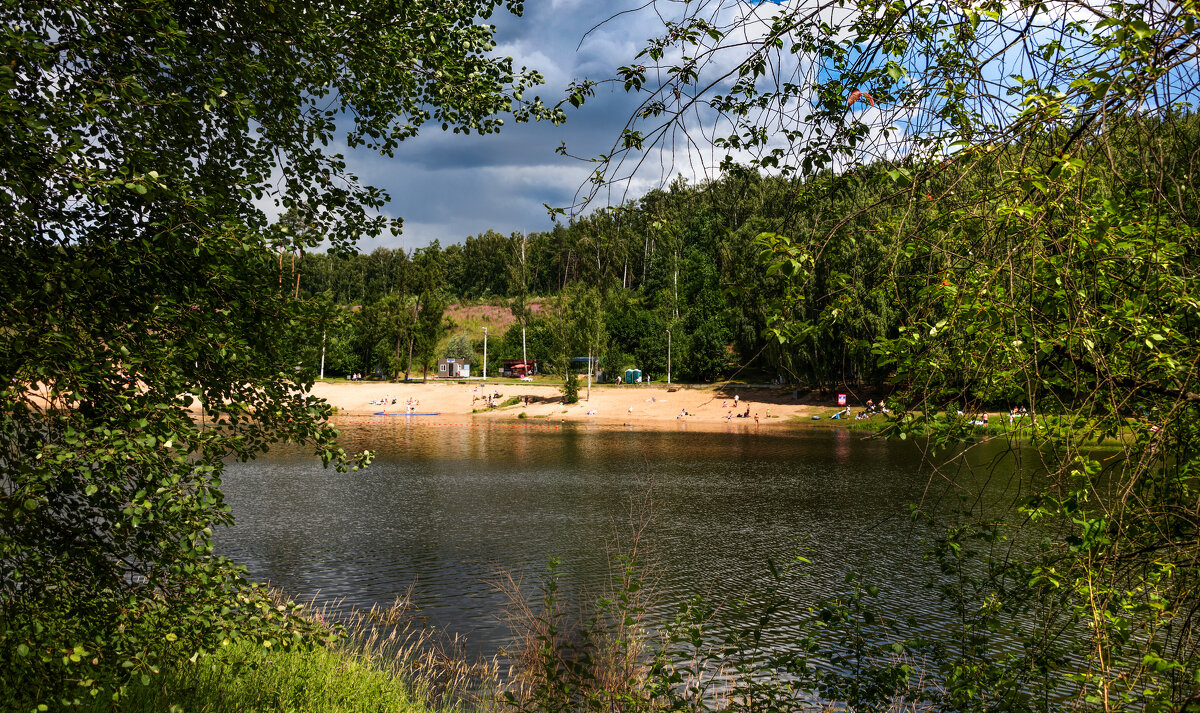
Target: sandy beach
657	406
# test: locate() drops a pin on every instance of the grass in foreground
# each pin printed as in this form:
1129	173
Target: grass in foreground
246	677
385	660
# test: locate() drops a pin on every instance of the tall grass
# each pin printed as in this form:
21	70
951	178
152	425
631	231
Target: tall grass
385	659
591	655
244	676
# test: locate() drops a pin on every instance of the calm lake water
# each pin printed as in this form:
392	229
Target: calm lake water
444	508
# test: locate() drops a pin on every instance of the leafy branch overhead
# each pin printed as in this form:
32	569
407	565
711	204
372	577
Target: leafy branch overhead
767	85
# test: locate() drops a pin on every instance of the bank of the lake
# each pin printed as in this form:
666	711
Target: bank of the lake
644	406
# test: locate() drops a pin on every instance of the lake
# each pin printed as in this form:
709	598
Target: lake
443	509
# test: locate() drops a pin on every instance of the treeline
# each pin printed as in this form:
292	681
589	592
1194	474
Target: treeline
681	260
692	273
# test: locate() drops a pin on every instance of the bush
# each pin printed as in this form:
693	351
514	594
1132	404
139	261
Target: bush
571	389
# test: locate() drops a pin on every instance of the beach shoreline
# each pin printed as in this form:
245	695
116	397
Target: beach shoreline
657	406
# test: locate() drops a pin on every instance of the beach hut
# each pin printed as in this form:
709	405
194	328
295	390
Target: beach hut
451	368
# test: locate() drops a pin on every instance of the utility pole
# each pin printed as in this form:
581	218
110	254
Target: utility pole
485	353
322	355
668	356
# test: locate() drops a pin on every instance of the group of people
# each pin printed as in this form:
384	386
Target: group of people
490	401
868	411
410	405
354	377
1017	412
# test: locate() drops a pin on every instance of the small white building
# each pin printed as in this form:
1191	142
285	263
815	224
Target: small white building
451	368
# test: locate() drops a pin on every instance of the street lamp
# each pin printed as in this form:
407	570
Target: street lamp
668	356
485	353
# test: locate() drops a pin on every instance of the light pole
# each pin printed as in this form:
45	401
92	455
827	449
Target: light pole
322	355
485	353
668	356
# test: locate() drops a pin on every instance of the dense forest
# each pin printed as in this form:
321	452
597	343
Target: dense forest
703	262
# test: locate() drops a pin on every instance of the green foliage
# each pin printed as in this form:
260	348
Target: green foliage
153	326
245	677
1011	219
461	347
571	389
575	328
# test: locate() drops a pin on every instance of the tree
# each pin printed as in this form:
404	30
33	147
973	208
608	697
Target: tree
518	280
142	280
428	308
461	348
576	328
1026	178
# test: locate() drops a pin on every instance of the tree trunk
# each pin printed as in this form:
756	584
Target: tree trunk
412	338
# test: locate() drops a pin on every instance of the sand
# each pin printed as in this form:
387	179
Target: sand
652	407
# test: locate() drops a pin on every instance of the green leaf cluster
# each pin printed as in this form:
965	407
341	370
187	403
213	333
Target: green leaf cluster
152	326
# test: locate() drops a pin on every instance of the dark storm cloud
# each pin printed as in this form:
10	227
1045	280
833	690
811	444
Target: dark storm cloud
448	186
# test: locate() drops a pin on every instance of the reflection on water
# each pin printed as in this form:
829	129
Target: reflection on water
443	508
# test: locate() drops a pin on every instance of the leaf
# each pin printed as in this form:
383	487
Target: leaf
1141	29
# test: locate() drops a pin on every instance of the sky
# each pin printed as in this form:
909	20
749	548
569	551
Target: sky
447	186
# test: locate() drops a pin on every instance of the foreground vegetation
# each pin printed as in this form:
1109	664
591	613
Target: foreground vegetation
142	278
248	677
